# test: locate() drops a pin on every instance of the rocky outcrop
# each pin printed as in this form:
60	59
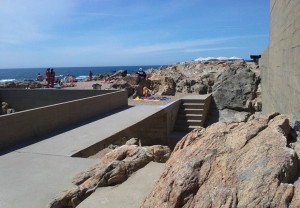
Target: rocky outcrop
234	84
168	86
119	73
21	84
116	166
230	165
197	76
6	109
121	84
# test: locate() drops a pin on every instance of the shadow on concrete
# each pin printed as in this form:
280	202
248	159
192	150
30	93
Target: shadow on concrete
60	131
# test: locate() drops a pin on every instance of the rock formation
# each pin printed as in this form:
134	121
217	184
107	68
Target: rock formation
235	86
6	109
21	84
231	165
116	166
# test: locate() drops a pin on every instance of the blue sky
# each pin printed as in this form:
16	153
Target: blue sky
42	33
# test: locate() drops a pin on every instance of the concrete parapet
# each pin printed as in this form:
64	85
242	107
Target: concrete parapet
24	99
30	124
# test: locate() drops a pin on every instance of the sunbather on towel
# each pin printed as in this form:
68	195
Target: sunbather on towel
146	92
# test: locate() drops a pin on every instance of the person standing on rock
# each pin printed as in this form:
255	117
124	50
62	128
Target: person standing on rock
52	77
90	75
47	77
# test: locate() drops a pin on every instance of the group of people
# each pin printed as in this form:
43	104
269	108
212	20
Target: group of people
50	77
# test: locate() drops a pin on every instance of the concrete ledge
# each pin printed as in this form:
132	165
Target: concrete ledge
150	124
31	124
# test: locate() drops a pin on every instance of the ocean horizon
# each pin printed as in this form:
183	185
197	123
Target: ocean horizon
31	73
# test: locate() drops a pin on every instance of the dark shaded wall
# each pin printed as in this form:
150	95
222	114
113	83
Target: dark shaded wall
280	62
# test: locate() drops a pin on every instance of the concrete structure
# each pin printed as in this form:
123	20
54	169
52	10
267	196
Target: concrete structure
23	99
280	63
192	112
31	176
63	109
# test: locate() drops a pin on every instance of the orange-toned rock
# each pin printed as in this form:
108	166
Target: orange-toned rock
114	168
230	165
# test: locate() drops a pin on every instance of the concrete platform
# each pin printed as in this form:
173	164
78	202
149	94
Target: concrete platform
30	180
32	176
129	194
70	142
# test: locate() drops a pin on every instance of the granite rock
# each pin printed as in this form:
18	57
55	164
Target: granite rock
230	165
116	166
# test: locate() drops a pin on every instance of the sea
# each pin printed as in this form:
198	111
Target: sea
31	73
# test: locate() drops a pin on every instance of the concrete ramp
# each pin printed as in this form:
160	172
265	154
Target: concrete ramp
129	194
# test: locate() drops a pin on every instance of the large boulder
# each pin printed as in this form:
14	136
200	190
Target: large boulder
122	84
168	86
132	79
234	88
119	73
230	165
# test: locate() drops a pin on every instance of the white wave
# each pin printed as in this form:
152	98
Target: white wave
218	58
7	80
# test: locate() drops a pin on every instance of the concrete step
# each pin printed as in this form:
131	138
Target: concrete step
189	116
188	122
192	101
185	128
185	111
192	106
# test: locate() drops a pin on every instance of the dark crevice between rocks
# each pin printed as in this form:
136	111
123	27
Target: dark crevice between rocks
292	140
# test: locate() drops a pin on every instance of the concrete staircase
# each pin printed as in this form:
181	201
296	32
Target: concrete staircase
192	113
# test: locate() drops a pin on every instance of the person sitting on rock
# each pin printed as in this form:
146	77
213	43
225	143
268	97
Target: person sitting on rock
141	73
39	77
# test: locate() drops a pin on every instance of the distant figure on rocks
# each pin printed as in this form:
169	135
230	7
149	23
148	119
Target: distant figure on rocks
90	75
52	77
141	73
39	77
47	77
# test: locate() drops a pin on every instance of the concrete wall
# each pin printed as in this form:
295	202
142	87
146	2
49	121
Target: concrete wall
280	62
28	125
24	99
152	130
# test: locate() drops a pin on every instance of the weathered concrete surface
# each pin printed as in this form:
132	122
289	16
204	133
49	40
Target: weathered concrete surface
280	62
32	180
129	194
